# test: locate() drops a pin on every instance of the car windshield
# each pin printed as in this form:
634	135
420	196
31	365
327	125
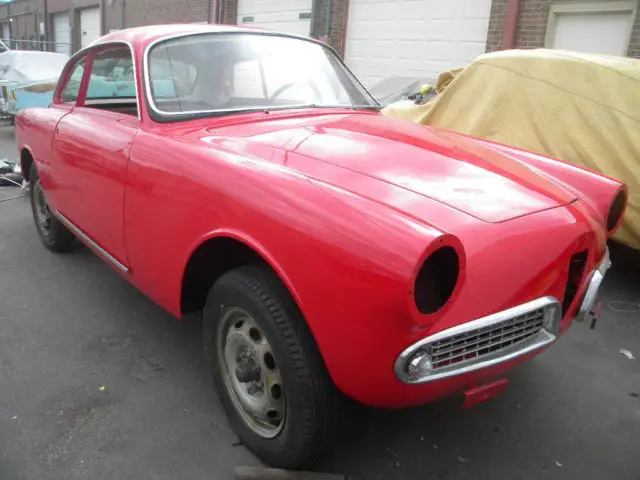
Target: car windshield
218	73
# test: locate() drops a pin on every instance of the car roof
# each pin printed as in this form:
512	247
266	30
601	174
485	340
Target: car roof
141	37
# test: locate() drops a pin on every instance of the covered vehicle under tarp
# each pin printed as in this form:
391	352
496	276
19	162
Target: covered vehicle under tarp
580	108
28	78
25	67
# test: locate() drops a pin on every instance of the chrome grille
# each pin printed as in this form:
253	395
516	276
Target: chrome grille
487	340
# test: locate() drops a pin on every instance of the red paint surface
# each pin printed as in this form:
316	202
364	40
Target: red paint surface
474	396
344	206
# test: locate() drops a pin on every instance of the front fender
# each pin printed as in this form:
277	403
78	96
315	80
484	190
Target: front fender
598	190
252	243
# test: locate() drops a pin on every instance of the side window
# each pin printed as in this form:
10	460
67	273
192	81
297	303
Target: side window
111	78
71	89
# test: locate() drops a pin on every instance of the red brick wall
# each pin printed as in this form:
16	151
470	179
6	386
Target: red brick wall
338	22
532	25
497	22
229	12
339	13
153	12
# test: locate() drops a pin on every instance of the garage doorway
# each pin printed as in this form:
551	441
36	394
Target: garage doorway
414	39
289	16
89	25
593	27
61	33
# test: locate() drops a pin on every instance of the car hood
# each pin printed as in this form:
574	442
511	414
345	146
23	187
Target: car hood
440	165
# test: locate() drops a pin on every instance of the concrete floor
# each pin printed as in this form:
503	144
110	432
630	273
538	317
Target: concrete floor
97	382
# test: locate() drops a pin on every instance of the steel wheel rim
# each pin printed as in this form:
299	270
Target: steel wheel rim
42	211
250	373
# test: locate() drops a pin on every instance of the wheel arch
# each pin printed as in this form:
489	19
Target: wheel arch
215	255
27	159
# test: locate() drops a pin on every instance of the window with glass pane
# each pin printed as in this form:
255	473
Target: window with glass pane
112	76
227	72
71	90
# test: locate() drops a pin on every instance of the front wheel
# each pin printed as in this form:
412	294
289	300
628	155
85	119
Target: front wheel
267	369
53	234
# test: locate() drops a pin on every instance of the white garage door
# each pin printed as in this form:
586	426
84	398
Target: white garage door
414	38
291	16
62	33
606	33
89	25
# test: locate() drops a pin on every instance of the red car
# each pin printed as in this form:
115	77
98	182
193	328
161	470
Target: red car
334	253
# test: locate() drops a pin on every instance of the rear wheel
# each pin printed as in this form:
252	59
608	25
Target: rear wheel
267	369
53	234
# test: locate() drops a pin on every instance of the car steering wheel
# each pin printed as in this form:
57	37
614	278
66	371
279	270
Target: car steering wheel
287	86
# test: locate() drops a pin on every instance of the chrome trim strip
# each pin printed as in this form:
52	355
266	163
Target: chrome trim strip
147	81
591	294
79	233
549	333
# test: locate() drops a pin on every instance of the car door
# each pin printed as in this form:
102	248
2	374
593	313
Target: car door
91	151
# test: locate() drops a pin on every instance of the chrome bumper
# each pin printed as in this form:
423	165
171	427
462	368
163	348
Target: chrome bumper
481	343
591	294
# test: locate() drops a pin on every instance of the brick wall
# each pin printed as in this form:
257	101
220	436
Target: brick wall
338	22
339	12
532	25
27	15
634	44
229	12
151	12
497	22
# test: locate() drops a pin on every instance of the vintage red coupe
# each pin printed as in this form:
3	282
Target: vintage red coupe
249	175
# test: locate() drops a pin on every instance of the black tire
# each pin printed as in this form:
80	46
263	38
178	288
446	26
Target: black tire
313	404
55	236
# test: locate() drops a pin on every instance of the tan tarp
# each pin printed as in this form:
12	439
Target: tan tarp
584	109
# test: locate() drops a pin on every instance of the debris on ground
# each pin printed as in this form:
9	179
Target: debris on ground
627	354
10	173
558	464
